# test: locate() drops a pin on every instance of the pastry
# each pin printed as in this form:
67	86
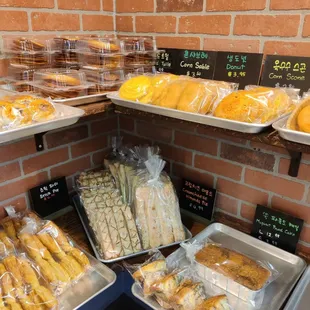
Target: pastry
299	119
219	302
188	295
66	59
101	61
99	46
137	88
160	82
41	110
139	59
12	266
233	265
27	45
46	297
60	80
28	274
21	60
9	229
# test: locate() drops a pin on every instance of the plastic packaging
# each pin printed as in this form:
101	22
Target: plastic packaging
234	272
97	61
156	206
23	286
22	110
138	44
255	105
111	220
104	81
19	79
60	83
136	71
100	45
138	59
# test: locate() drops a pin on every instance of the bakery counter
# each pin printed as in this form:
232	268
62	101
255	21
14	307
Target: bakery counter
269	137
72	225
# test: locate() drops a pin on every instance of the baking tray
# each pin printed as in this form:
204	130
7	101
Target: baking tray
95	281
290	266
291	135
76	101
92	239
191	117
300	299
67	116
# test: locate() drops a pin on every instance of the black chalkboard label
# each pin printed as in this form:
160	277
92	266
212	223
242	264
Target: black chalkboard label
197	199
166	59
286	71
242	68
50	197
277	228
196	64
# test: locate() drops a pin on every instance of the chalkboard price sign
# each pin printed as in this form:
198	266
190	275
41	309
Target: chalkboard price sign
50	197
165	60
286	71
197	199
197	64
242	68
277	228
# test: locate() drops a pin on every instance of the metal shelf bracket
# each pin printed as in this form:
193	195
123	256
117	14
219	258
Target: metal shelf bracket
38	138
295	163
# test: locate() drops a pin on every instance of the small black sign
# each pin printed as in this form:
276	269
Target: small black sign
286	71
165	61
242	68
50	197
277	228
196	64
197	199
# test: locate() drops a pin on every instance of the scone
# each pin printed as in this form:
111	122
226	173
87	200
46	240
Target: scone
300	118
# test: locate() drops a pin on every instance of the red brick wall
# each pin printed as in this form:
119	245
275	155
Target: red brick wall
244	173
68	151
269	26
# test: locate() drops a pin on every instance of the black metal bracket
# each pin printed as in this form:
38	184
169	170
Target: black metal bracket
295	163
38	138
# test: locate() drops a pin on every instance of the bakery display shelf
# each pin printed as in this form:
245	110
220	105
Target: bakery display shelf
66	116
92	239
250	128
77	101
96	108
289	266
300	299
92	283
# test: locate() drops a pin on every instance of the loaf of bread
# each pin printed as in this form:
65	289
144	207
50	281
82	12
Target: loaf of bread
233	265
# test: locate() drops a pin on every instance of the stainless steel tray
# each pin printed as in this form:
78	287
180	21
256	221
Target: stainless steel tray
291	135
290	266
191	117
95	281
66	117
300	299
92	239
76	101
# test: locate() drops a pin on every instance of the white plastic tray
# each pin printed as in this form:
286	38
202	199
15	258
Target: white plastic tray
191	117
76	101
66	116
300	299
291	135
290	267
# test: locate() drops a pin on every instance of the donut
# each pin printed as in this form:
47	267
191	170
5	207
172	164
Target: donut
41	110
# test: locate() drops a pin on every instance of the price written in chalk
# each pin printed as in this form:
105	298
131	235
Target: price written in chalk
277	228
196	64
242	68
286	71
165	60
49	191
197	198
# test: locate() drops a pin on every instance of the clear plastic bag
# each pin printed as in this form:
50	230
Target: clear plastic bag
156	206
234	272
23	286
255	105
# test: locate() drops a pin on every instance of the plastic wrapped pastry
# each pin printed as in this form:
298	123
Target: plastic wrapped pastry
299	120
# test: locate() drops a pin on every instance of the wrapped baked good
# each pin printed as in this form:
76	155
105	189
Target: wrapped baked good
299	119
219	302
105	81
255	105
22	110
61	83
19	79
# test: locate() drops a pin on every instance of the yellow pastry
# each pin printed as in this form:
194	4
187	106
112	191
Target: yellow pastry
159	83
136	88
41	110
300	118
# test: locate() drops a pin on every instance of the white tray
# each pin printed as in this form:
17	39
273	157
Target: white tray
291	135
191	117
290	267
66	116
300	299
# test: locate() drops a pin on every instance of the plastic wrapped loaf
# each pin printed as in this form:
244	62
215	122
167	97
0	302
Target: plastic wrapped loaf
176	92
255	105
234	272
22	110
156	206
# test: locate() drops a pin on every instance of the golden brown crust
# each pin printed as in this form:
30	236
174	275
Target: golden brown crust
292	122
60	80
213	303
155	266
236	266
